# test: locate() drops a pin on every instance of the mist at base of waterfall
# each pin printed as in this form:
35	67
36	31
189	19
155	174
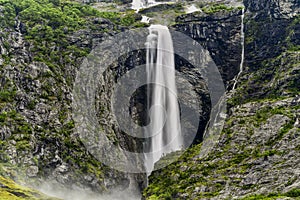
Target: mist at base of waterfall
50	189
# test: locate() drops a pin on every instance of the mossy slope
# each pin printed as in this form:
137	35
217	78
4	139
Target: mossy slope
9	190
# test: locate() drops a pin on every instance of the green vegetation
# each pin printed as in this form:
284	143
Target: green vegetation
190	173
48	14
291	39
270	82
264	83
165	13
9	190
21	131
53	27
6	96
275	76
57	32
48	25
294	193
128	18
180	177
216	8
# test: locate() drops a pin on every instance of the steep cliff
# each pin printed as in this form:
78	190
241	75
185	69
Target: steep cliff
257	154
43	44
220	34
41	48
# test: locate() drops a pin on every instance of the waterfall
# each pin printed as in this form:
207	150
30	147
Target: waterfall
164	128
139	4
145	19
192	8
243	50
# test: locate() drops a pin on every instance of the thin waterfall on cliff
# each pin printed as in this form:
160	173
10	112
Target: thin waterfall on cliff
164	128
243	50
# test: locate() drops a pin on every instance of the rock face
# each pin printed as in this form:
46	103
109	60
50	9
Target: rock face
257	154
37	131
220	34
274	8
259	147
271	47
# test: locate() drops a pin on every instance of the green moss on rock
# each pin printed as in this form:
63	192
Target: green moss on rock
9	190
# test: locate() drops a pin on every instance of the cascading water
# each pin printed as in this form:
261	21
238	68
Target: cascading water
139	4
243	51
192	8
164	129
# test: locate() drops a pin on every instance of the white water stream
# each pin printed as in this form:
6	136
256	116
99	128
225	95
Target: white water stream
192	8
243	51
164	130
140	4
163	108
